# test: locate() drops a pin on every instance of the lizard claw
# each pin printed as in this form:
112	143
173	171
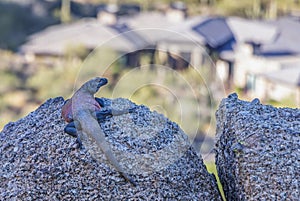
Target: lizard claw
71	129
79	143
102	114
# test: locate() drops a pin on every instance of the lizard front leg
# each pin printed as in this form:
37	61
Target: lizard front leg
72	130
110	112
101	115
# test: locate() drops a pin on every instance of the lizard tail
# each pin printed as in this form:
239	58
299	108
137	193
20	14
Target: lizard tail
90	126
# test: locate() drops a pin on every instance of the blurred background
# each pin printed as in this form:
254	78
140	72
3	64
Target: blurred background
177	57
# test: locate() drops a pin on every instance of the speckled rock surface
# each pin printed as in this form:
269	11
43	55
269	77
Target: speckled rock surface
40	162
258	150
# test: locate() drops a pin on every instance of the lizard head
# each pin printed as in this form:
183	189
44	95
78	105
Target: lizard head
93	85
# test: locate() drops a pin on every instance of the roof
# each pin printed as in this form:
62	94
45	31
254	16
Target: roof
215	30
287	41
289	75
158	28
87	32
154	20
154	26
184	32
245	30
195	31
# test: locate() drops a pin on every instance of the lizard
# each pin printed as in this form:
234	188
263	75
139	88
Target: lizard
100	114
81	112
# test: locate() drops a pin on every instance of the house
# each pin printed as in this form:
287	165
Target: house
169	33
258	71
242	49
249	36
219	41
250	46
88	33
251	53
267	58
278	85
175	41
181	46
152	25
287	42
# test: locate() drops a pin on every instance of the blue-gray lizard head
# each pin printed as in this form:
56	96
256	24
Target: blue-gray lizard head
93	85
